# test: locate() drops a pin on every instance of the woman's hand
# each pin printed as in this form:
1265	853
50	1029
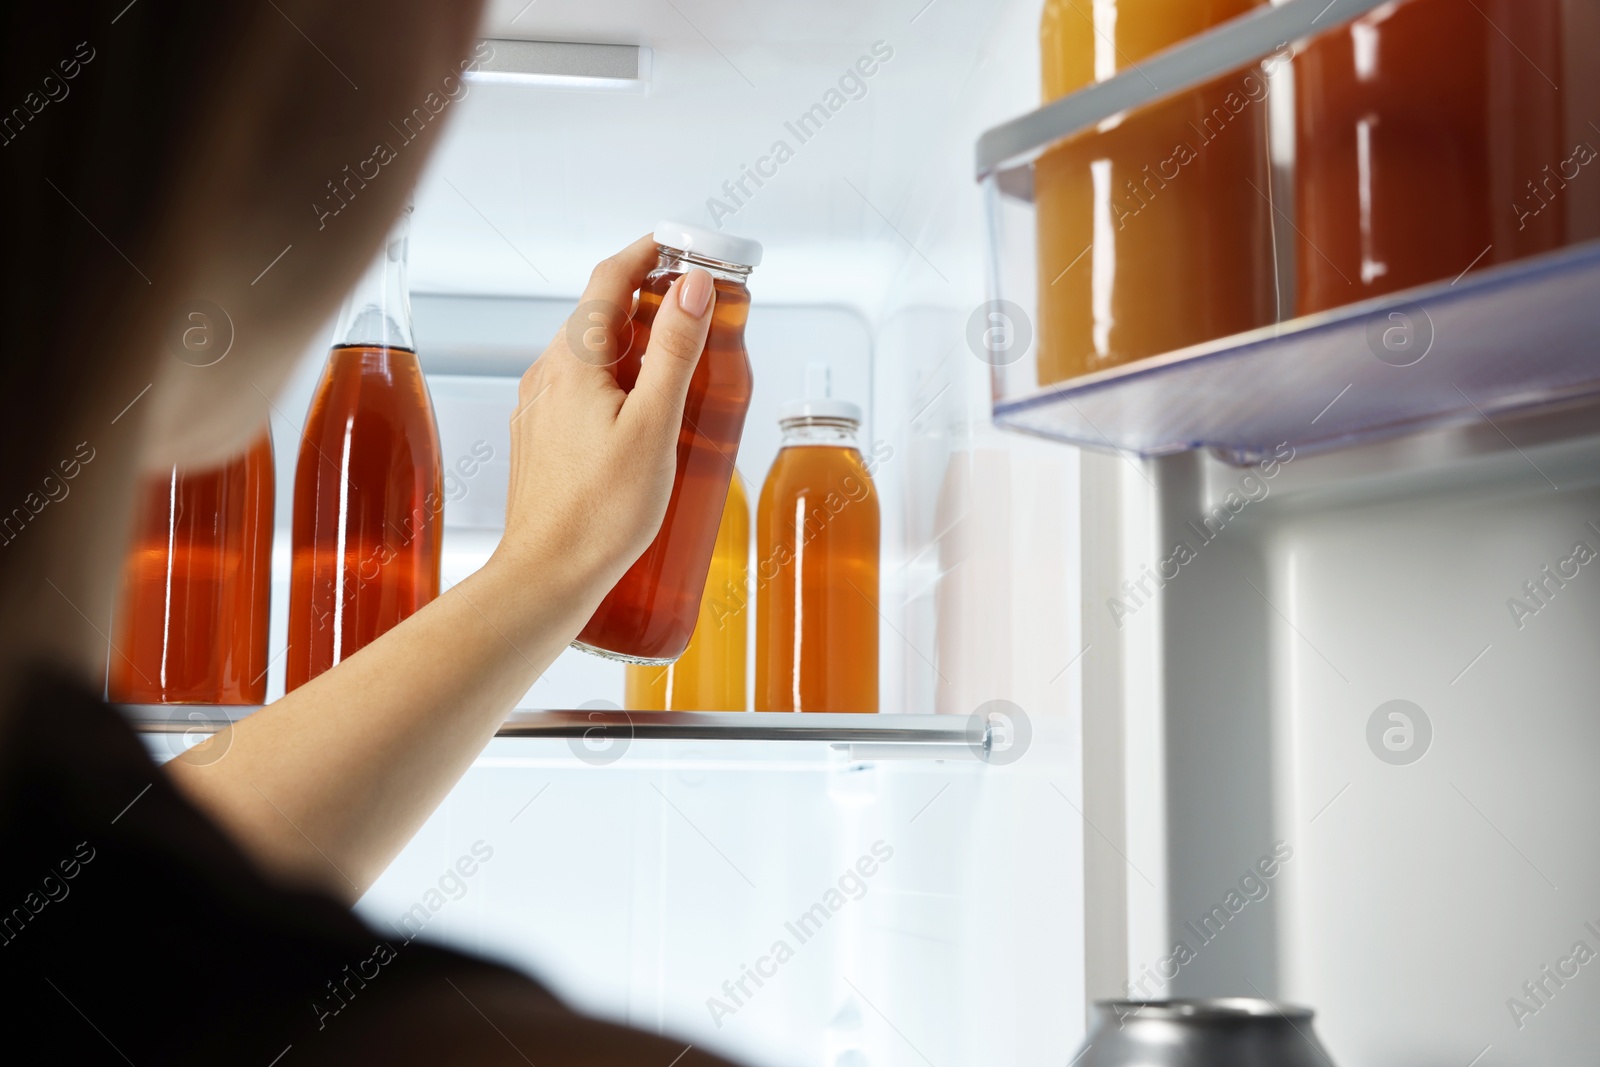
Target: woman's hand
591	466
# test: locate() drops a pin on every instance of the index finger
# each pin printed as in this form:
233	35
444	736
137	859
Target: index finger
599	328
616	279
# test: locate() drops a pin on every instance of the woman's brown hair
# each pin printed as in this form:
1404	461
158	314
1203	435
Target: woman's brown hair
159	156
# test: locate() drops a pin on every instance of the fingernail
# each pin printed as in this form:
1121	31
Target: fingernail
694	292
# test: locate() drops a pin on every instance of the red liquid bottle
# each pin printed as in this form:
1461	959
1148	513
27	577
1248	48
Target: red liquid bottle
196	587
651	613
368	489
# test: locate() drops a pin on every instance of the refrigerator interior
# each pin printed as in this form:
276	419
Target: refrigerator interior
1179	737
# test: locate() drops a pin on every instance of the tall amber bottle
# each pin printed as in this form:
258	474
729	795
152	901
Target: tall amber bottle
817	567
196	587
368	492
1154	230
1430	140
710	675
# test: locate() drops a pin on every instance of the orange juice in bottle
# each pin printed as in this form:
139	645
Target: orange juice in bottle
369	485
649	616
817	567
196	586
710	674
1154	230
1431	139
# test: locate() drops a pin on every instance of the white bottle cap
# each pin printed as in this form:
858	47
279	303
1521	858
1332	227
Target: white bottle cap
712	244
819	408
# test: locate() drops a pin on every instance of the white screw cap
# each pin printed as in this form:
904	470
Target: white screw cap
712	244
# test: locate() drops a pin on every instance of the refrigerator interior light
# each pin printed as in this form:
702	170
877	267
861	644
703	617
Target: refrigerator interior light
563	65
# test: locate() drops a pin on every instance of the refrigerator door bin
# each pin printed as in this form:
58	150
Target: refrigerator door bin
1492	340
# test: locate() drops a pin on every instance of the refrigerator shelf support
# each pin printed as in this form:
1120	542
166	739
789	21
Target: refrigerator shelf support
862	736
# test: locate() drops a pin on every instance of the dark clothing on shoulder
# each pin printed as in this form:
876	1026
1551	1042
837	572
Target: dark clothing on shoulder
133	931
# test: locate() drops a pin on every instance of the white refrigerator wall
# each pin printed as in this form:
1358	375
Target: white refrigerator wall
1375	688
778	903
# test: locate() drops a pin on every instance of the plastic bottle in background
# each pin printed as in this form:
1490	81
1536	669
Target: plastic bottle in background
650	614
817	564
1154	231
1430	139
196	587
368	493
710	675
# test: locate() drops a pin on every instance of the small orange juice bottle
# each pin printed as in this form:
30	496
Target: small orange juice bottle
817	567
650	614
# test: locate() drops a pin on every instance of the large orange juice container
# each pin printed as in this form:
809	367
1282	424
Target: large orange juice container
710	675
196	587
649	616
1154	229
817	567
368	488
1432	139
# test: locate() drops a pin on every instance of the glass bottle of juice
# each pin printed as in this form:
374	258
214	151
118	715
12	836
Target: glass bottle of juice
196	587
650	614
817	569
1430	140
710	674
368	489
1154	230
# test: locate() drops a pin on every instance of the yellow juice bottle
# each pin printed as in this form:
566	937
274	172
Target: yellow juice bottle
710	674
